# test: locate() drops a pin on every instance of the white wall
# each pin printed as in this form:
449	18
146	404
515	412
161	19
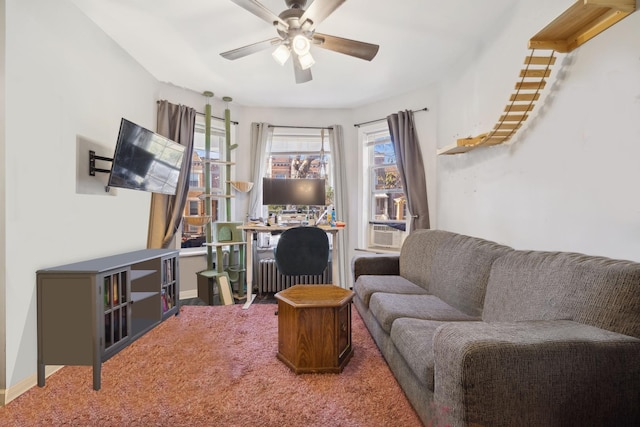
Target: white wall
3	240
64	78
568	181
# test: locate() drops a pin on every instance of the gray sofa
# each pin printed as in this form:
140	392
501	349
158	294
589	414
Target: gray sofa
480	334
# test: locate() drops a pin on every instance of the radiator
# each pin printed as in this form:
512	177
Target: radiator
271	280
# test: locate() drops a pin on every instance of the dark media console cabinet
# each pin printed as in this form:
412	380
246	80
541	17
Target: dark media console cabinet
90	310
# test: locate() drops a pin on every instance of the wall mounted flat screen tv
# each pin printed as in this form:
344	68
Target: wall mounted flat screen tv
300	191
144	160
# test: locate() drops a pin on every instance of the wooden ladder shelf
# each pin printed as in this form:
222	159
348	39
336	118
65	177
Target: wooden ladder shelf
517	111
581	22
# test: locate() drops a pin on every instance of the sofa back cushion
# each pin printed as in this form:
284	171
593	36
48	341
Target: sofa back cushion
417	255
460	271
535	285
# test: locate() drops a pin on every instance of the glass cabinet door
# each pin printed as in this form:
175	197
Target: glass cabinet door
116	308
169	289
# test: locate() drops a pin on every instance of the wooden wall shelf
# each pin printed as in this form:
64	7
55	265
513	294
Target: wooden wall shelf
580	23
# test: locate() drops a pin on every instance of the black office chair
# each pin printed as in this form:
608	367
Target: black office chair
302	251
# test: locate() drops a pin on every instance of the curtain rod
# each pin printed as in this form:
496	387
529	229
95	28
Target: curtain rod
213	117
379	120
301	127
218	118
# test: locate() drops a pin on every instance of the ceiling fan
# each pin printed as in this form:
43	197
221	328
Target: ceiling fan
296	29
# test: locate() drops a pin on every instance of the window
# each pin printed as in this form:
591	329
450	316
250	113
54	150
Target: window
194	207
300	153
193	232
385	200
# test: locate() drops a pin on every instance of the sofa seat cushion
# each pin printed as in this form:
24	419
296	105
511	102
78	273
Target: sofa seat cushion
413	339
388	307
367	285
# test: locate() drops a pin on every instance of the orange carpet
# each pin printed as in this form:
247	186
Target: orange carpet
217	366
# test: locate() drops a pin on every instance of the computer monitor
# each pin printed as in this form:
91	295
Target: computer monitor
293	191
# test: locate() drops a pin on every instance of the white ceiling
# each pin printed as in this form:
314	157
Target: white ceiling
180	42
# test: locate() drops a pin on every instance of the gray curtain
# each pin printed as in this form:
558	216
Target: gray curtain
177	123
410	165
261	135
340	196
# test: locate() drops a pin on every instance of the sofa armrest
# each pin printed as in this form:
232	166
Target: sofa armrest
536	373
375	264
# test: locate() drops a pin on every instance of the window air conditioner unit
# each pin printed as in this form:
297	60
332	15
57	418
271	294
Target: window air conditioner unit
385	236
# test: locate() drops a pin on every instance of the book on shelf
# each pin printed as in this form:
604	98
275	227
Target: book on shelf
165	304
167	299
168	270
115	289
107	292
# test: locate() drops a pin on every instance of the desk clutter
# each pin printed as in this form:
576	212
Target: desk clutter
309	217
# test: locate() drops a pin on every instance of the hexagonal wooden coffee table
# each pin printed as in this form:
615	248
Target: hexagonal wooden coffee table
314	328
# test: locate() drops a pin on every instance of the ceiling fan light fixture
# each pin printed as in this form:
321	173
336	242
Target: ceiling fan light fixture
301	45
306	61
281	54
296	28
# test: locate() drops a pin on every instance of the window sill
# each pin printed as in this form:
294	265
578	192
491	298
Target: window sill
188	252
201	250
379	250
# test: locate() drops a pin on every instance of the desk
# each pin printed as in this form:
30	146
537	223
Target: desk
251	229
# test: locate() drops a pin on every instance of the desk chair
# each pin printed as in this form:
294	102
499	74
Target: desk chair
302	251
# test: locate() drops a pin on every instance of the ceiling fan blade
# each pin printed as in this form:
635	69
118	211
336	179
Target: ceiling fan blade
302	76
261	12
319	10
362	50
252	48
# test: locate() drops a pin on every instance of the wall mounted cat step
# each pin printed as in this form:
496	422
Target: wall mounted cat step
581	22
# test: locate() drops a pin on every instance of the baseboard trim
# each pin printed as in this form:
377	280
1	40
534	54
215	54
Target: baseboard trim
189	294
7	395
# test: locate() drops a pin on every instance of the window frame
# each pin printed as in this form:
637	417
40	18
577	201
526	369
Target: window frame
312	141
368	135
217	148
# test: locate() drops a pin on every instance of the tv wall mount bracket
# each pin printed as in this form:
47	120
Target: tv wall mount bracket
92	163
93	169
